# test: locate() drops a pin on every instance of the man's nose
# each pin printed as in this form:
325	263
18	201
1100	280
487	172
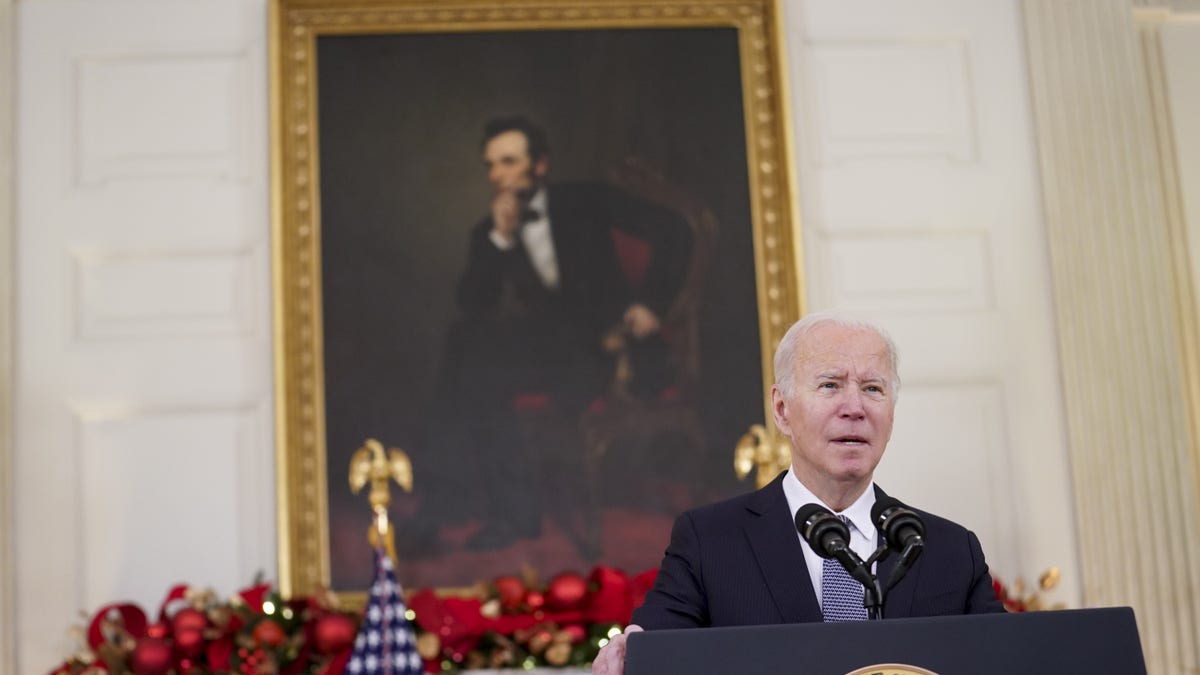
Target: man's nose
852	404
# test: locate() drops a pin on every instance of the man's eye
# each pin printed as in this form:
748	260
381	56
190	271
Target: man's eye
828	385
875	389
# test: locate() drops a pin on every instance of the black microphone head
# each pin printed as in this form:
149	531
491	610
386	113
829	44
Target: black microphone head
824	532
897	522
882	505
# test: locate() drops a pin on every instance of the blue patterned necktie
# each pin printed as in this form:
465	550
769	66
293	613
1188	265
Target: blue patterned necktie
841	595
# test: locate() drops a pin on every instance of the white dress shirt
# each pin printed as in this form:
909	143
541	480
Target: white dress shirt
863	536
539	242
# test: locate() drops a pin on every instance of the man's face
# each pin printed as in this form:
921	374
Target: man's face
839	416
509	167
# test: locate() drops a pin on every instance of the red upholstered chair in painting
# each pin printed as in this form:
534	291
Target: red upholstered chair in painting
619	415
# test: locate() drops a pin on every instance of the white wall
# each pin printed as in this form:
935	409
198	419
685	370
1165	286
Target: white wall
920	208
143	332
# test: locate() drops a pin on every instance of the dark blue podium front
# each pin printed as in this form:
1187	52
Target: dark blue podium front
1034	643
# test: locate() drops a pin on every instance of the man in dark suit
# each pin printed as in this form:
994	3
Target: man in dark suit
742	562
545	288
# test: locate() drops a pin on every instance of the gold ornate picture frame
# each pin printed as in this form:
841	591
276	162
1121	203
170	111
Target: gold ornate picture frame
377	109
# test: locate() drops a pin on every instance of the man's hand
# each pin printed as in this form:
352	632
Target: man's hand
611	659
506	215
640	321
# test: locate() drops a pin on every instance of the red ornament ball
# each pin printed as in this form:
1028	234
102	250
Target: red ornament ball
511	591
535	600
187	619
150	657
157	630
577	633
268	633
566	591
333	633
189	643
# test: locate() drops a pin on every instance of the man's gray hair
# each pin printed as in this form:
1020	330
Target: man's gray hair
785	354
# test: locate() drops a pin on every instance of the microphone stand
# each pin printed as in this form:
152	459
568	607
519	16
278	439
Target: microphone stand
907	557
861	572
874	594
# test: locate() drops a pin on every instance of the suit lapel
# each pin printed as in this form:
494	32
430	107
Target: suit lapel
771	531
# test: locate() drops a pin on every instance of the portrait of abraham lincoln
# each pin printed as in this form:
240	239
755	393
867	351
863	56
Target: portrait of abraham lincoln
538	280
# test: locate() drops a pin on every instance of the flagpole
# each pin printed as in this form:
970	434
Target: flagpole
386	643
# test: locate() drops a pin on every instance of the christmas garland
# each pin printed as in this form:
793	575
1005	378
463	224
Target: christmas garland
513	621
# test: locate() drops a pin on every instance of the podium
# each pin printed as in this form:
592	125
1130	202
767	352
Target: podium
1034	643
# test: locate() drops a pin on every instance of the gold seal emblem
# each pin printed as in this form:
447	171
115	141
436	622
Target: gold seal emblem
891	669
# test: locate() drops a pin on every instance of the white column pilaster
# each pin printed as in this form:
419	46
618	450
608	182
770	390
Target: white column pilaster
1121	323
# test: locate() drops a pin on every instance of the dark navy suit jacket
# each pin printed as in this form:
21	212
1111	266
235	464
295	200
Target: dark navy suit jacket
739	562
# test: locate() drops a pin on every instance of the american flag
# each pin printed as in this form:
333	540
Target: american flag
385	644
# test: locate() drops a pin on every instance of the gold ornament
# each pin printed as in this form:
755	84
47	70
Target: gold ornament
540	641
371	463
1018	600
762	450
490	609
558	654
429	645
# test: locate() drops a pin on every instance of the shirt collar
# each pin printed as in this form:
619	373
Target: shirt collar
538	203
858	513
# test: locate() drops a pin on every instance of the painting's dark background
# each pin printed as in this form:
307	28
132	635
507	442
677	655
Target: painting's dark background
402	182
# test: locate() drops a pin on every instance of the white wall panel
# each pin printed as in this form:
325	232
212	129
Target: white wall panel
125	133
182	293
893	99
931	271
158	481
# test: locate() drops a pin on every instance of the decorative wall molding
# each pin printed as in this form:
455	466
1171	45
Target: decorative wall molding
195	126
1119	320
893	98
143	294
154	478
927	270
144	282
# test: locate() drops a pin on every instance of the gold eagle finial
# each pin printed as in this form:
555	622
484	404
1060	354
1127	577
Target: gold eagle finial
371	464
762	450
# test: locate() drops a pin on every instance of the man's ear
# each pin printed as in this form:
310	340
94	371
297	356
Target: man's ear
779	411
541	167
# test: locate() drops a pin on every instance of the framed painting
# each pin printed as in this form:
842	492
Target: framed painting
545	248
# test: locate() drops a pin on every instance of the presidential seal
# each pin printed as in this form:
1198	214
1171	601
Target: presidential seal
891	669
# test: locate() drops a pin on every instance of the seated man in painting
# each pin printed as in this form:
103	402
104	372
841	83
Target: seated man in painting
544	287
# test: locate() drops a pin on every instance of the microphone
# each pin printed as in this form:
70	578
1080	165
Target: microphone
900	525
830	538
903	531
825	532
